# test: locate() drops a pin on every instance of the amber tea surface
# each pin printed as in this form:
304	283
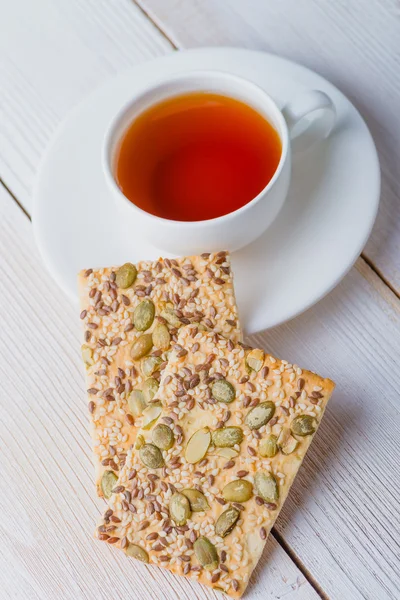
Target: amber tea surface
197	157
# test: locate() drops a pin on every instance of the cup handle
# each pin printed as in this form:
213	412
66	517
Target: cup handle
310	118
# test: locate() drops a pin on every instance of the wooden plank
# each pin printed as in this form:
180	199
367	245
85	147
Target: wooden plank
53	53
354	44
336	519
49	504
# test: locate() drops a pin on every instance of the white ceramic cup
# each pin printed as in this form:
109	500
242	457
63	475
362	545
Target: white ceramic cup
303	122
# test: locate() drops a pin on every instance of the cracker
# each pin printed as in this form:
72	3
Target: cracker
185	290
273	406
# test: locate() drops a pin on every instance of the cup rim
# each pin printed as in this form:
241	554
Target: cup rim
211	73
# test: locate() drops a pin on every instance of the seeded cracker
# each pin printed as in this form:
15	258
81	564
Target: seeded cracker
201	489
131	315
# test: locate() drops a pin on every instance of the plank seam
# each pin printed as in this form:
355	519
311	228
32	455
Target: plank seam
147	15
296	560
2	182
379	274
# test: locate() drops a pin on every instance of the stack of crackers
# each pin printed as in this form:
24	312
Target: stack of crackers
197	437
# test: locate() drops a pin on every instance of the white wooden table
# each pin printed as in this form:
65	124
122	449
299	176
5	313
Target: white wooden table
338	534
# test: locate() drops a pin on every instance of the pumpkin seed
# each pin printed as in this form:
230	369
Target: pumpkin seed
150	389
141	346
227	521
137	552
108	481
126	275
223	391
150	365
206	553
169	315
268	447
255	360
248	370
239	490
140	442
266	486
286	442
161	336
150	415
227	453
143	315
197	446
303	425
283	436
151	456
198	501
163	436
87	355
200	327
179	509
226	437
260	415
290	445
136	403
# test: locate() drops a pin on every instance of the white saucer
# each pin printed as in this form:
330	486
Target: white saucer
314	241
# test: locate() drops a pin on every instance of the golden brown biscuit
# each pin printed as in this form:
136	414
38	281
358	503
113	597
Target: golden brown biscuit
131	315
206	480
